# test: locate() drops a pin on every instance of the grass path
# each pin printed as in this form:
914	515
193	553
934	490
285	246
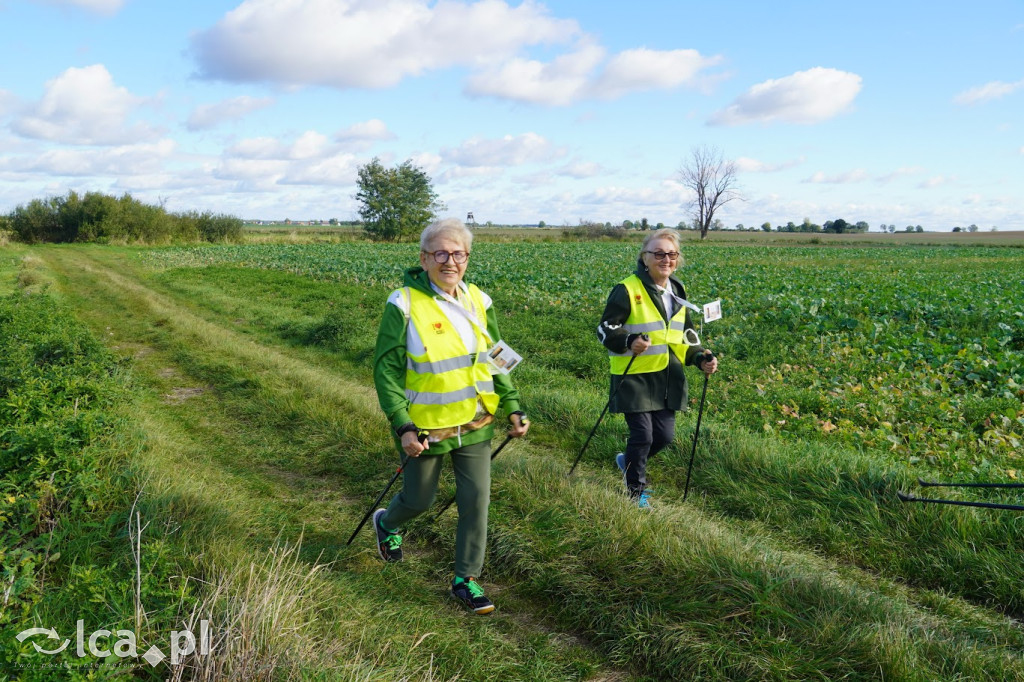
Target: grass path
252	441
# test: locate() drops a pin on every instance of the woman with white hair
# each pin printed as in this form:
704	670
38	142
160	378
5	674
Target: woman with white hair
441	396
647	330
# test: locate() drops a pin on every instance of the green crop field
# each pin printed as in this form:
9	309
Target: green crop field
848	370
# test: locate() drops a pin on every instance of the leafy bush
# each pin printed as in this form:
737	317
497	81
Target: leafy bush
209	226
596	231
97	217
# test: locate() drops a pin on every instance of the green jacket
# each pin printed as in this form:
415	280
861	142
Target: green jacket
389	365
666	389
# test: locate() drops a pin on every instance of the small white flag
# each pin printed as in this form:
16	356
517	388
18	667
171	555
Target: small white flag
713	311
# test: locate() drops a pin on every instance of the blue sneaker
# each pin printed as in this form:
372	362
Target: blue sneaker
620	461
643	500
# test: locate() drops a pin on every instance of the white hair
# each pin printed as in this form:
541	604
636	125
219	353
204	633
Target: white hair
452	228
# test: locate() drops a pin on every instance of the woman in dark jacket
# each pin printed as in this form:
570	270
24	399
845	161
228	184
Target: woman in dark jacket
647	330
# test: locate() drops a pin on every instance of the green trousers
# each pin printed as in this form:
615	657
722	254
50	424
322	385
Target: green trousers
472	465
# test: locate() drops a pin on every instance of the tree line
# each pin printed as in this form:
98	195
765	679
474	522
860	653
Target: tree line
98	217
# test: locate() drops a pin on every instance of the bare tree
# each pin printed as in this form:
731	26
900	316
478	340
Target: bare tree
713	181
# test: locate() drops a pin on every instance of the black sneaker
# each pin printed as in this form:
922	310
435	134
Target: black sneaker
469	592
389	545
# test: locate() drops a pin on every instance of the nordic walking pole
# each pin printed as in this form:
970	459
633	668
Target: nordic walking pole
906	497
607	405
398	472
696	432
493	455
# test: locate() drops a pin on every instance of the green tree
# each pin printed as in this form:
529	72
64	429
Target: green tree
541	223
396	203
767	227
839	226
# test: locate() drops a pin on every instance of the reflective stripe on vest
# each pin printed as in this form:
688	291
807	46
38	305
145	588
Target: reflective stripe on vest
443	383
645	318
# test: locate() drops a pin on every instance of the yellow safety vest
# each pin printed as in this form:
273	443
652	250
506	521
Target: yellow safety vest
443	383
645	318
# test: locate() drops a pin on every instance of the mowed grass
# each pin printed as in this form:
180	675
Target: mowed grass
258	388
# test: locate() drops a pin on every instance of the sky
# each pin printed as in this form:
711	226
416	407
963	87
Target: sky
905	113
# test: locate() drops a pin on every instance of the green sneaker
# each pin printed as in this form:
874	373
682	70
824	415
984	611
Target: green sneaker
389	545
469	592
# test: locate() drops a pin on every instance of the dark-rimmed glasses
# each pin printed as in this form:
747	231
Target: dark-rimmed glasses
441	257
662	255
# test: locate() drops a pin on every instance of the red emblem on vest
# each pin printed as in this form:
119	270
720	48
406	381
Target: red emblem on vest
438	328
639	298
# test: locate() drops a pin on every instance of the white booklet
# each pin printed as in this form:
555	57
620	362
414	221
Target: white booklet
502	359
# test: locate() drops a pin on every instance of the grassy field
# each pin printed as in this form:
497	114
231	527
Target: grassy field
848	370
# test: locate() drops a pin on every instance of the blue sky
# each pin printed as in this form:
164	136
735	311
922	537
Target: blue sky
905	113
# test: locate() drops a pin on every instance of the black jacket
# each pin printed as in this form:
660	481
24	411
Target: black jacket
666	389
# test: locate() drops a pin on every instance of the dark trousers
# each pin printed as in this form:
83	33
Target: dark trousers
649	433
472	464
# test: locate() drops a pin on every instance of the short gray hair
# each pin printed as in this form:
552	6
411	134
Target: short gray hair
664	233
452	228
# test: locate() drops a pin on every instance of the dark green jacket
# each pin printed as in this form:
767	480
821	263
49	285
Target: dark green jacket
666	389
389	364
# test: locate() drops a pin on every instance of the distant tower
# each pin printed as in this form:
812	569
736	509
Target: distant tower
470	220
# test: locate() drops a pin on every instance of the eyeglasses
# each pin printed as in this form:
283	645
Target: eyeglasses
662	255
442	257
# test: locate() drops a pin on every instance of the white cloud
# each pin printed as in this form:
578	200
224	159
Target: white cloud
506	151
211	115
644	69
748	165
99	6
361	136
257	148
669	194
899	173
557	83
367	43
805	97
937	181
580	170
427	161
8	101
339	171
309	145
858	175
983	93
84	106
377	43
586	73
471	172
112	161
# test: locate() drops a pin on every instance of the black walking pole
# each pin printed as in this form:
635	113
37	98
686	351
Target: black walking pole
906	497
493	455
607	405
696	432
380	497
